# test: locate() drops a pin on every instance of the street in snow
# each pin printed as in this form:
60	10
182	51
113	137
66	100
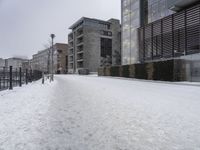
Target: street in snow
99	113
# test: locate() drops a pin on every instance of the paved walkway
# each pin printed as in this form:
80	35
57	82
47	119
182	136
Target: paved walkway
93	113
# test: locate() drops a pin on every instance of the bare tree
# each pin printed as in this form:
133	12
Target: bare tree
48	47
106	61
117	57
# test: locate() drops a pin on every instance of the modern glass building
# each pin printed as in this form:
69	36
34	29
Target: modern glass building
174	35
158	9
130	22
159	30
136	13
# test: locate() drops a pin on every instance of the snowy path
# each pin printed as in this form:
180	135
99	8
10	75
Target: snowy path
94	113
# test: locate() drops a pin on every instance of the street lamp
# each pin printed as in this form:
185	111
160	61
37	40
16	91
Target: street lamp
52	52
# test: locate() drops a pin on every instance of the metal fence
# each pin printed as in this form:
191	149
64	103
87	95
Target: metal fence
173	36
12	77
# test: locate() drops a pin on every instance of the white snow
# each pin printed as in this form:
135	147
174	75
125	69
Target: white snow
97	113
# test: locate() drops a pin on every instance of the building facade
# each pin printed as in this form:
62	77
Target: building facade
135	14
42	61
171	31
2	62
16	63
173	36
26	65
158	9
61	58
94	43
130	22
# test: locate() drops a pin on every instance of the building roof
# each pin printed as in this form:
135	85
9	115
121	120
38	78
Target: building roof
56	45
87	19
63	44
17	58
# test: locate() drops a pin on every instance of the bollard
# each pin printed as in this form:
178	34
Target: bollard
26	76
4	77
20	76
43	78
31	75
11	84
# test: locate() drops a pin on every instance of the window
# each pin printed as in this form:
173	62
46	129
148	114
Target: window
106	33
106	47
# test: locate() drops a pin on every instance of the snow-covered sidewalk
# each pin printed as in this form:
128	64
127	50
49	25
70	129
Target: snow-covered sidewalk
95	113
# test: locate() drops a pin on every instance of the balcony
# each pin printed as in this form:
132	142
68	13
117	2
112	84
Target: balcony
70	40
80	36
71	59
71	48
80	65
79	41
71	52
177	5
80	52
71	65
80	49
71	44
79	32
70	37
80	57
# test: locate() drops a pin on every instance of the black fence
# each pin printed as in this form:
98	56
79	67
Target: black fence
172	36
12	77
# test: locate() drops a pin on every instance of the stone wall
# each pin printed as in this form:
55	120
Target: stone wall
169	70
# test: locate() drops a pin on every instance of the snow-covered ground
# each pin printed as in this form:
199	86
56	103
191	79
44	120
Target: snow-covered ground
96	113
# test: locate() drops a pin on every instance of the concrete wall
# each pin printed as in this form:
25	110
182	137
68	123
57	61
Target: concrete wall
182	69
192	65
91	48
116	41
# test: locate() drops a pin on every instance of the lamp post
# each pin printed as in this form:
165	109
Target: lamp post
48	63
52	52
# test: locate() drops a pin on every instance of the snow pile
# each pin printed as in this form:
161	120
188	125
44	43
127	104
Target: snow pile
21	112
95	113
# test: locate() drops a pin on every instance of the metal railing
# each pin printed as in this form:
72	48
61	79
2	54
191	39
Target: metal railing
11	77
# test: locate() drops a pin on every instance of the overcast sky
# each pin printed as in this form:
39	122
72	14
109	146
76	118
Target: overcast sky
25	25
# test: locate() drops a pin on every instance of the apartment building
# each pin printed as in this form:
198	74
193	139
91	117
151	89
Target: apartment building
61	58
42	61
2	62
15	62
26	65
94	43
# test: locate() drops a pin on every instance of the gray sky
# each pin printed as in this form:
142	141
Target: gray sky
25	25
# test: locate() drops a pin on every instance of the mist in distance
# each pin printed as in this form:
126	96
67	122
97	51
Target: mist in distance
26	24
